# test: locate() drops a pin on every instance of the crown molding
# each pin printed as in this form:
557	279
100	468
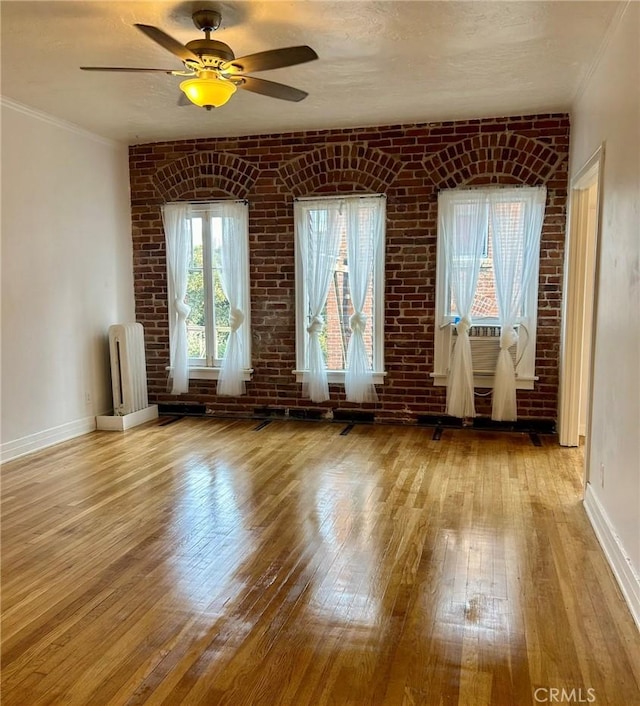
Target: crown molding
598	56
57	122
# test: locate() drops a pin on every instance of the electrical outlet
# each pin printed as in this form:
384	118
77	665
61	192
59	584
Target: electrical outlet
87	398
602	475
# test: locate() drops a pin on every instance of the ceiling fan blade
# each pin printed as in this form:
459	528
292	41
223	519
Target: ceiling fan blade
272	59
271	89
120	68
183	100
168	43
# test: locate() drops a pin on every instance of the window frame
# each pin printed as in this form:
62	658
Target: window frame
443	324
302	302
208	368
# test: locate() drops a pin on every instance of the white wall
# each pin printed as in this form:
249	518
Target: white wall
608	111
66	275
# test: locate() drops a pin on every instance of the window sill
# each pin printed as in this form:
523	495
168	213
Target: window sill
486	381
206	373
337	377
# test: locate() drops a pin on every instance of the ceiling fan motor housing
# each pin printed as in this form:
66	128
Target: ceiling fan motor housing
210	48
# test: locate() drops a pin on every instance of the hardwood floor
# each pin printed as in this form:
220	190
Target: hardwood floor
203	562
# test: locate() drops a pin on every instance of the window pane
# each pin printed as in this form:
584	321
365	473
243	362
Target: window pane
334	338
220	302
195	294
335	335
485	303
221	314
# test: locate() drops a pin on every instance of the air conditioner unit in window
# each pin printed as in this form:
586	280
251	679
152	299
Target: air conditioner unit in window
485	347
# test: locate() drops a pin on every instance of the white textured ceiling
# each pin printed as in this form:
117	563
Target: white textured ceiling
380	62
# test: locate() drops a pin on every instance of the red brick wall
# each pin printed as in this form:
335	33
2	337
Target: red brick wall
409	163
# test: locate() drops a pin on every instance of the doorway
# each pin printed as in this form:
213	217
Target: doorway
580	305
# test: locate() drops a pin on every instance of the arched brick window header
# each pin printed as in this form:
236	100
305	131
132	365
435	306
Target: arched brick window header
500	158
205	175
358	165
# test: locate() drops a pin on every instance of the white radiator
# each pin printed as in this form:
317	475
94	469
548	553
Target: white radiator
128	368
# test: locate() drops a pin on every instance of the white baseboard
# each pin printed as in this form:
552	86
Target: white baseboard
48	437
620	564
126	421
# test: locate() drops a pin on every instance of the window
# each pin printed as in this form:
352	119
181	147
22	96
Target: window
510	211
208	321
214	247
340	269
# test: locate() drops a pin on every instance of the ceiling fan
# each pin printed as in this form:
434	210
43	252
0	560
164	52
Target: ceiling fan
213	74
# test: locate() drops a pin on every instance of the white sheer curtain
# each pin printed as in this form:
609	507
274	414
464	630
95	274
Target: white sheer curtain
232	258
365	229
516	217
318	234
177	228
463	223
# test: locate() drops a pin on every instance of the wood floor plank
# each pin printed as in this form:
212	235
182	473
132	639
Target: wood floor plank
206	563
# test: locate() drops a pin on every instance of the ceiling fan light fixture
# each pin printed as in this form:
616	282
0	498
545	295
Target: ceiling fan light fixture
208	90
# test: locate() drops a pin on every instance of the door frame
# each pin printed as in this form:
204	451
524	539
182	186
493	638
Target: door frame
573	301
